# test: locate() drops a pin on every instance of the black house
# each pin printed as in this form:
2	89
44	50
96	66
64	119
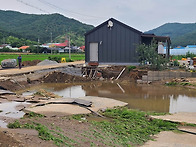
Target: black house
114	42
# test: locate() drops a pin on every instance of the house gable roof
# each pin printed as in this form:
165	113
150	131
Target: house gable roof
113	20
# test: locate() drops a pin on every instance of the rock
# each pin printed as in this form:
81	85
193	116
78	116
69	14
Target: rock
8	63
29	97
20	107
43	98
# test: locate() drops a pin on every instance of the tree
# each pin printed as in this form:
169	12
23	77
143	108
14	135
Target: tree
148	53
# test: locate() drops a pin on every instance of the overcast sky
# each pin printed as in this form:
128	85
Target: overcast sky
143	15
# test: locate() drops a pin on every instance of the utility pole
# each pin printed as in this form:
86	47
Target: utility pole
51	37
69	49
51	41
38	45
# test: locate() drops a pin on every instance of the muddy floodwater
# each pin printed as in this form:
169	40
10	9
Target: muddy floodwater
141	97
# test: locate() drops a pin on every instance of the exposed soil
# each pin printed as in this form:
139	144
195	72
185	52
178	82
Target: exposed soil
30	63
59	77
73	129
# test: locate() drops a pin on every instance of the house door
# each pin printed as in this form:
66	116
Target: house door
94	52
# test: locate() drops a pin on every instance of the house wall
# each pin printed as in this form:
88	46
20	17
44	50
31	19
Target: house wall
116	44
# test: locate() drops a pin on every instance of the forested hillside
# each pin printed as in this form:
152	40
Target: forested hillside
45	27
181	34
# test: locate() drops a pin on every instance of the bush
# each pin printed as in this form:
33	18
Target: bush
131	67
69	60
57	59
148	54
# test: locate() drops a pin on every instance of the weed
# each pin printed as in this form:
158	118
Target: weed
77	117
32	115
131	126
131	67
171	84
185	84
14	125
69	60
44	133
156	113
1	111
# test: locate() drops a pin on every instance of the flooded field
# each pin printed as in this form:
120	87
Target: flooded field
10	110
141	97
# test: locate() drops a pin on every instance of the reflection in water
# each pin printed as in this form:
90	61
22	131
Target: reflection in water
142	97
9	110
182	104
71	92
3	124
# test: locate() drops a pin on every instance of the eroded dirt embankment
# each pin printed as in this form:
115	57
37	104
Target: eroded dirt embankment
18	82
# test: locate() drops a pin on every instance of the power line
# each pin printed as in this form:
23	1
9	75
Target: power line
66	10
27	4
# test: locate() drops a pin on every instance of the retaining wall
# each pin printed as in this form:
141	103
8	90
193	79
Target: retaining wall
163	75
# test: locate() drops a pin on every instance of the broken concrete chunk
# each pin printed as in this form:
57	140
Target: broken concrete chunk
32	101
19	100
29	97
83	102
3	92
20	107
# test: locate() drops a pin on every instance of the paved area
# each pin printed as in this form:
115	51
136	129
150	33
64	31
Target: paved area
16	71
179	117
171	139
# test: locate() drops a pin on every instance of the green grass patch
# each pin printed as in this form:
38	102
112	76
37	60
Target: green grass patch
45	133
131	127
32	114
180	83
120	127
31	57
171	84
131	67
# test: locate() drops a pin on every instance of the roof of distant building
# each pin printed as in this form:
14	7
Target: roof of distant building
23	47
191	46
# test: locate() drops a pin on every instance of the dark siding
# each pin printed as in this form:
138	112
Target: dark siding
116	45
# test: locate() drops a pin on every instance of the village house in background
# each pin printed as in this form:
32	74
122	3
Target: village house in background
114	42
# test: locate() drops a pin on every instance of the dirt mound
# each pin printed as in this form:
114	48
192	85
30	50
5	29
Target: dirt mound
31	63
59	77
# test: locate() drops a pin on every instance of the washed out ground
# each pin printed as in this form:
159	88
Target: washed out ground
62	124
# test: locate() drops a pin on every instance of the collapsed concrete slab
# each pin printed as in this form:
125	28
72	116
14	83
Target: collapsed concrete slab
182	117
67	106
3	92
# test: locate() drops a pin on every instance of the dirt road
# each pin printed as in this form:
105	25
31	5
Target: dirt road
25	70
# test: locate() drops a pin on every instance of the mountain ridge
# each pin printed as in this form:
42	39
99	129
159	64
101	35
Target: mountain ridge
180	33
46	27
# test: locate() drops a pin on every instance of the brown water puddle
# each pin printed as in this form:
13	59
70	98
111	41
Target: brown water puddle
142	97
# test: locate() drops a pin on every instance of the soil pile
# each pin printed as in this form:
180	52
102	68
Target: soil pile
30	63
59	77
112	72
12	85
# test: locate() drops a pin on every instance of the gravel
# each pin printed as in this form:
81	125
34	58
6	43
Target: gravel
47	62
